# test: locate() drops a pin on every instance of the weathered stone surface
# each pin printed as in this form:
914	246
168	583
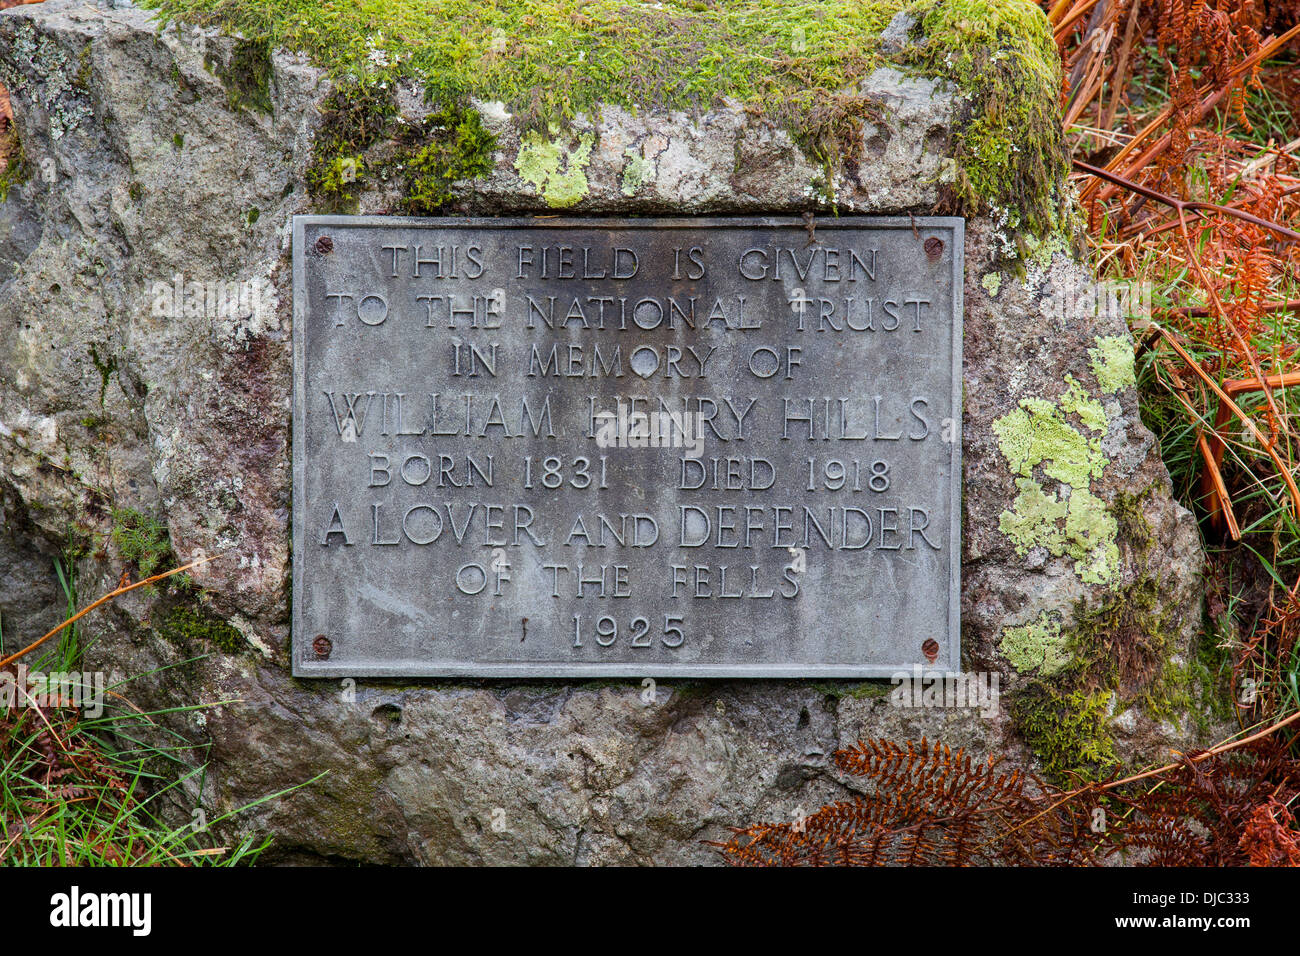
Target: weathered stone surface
112	404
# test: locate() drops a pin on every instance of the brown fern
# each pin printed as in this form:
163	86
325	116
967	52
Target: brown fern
930	805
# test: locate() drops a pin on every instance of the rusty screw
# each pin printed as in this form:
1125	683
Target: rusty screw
934	247
323	645
931	647
325	245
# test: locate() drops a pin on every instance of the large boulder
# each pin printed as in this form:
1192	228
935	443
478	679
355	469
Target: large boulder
132	436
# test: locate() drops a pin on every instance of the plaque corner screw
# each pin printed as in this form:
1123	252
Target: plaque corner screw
322	645
324	245
934	247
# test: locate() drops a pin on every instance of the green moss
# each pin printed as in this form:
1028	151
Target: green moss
143	540
550	60
1010	145
82	79
1121	654
865	690
15	172
1112	363
1037	645
555	164
1118	653
1067	729
107	368
354	116
193	628
1211	673
456	146
1127	638
247	75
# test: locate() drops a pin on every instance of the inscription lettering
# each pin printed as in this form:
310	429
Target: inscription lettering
640	448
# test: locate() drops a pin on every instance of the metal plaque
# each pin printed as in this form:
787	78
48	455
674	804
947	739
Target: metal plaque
626	447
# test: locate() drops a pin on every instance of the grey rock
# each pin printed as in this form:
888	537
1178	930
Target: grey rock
897	34
109	402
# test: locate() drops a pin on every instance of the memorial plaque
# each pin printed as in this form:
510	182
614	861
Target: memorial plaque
641	447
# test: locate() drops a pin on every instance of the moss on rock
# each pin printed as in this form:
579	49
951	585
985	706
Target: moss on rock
194	629
455	146
246	76
1010	145
1123	653
1067	727
797	63
355	115
15	170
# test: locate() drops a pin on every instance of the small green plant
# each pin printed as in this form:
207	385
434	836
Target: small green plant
15	169
143	540
354	116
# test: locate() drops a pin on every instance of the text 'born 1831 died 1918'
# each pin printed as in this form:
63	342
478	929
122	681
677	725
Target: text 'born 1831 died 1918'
626	447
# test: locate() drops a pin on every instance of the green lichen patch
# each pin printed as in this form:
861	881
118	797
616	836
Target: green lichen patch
1037	645
636	172
555	164
1112	363
1042	437
992	283
1040	433
40	71
246	76
796	63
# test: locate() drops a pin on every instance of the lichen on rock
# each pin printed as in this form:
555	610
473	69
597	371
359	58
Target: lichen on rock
554	165
1112	362
1070	521
1037	645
